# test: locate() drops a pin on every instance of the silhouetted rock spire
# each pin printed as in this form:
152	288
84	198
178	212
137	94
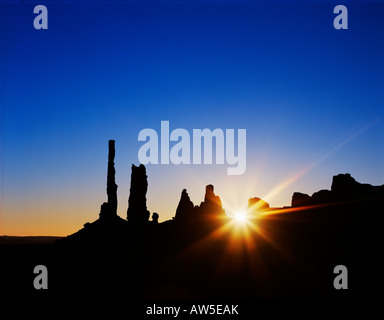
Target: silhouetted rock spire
109	209
210	208
185	207
111	184
137	202
212	203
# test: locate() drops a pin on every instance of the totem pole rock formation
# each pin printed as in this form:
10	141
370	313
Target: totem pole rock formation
137	202
111	184
109	209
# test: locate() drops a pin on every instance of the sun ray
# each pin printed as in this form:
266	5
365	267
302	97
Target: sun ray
290	180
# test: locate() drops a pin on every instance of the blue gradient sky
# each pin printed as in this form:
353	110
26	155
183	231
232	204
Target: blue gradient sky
311	98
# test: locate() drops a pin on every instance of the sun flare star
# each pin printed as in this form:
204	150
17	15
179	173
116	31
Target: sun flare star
240	216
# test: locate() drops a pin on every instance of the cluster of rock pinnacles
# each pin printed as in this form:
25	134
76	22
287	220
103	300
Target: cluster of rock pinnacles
138	213
344	187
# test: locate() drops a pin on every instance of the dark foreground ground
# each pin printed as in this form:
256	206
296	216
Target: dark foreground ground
289	255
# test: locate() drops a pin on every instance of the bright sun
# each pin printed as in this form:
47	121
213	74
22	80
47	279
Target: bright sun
240	216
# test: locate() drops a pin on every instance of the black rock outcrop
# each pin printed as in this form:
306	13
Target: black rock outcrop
111	184
210	209
323	196
344	188
137	202
109	228
109	209
300	199
185	209
155	218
